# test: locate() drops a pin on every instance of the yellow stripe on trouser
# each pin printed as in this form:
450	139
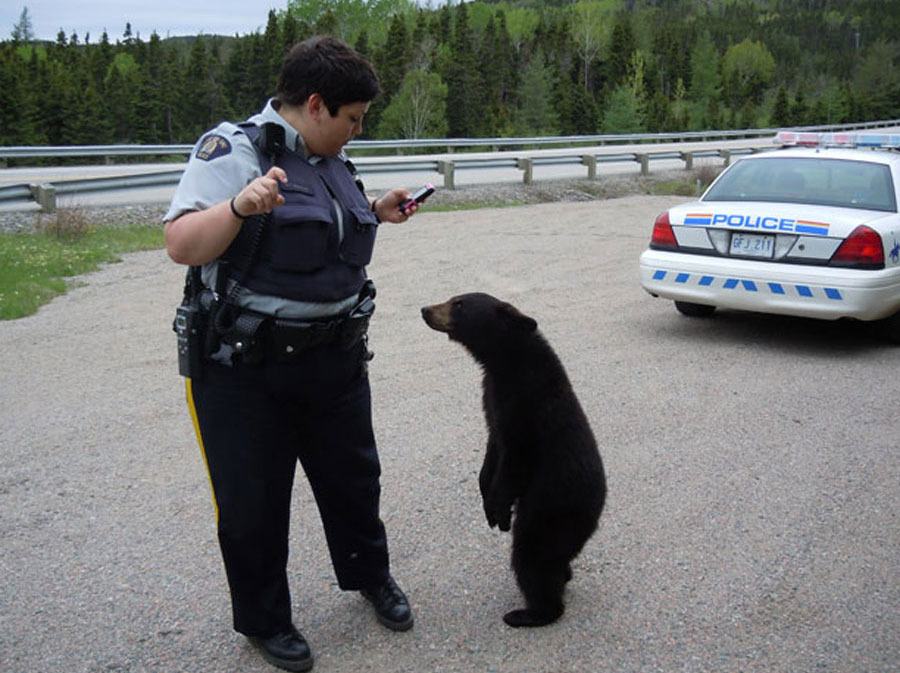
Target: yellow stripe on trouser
193	409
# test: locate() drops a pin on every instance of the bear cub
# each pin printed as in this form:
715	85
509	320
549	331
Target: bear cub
541	461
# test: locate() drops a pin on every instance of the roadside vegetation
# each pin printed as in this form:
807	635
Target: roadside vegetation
486	68
37	266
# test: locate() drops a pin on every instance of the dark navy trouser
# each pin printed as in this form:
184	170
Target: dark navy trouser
253	423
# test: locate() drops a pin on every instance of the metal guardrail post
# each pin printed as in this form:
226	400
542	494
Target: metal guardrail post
688	159
590	161
45	196
644	160
726	155
526	165
445	168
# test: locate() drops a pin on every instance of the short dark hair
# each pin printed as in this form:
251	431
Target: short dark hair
328	67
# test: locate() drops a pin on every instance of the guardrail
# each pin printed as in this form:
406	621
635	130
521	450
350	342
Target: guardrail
61	151
45	195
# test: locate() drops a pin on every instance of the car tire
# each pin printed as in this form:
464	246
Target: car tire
890	328
694	310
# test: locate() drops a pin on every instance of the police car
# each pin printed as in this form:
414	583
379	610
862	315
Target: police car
810	229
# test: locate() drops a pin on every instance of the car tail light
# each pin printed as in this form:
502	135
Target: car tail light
862	249
663	235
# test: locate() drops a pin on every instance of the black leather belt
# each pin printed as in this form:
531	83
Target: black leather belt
289	337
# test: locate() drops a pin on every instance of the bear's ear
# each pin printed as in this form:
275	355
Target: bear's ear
515	318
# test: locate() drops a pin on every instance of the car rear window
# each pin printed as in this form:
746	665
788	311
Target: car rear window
825	182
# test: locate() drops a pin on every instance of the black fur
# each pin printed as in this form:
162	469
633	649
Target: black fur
541	459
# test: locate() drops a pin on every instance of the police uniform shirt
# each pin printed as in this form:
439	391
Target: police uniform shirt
222	163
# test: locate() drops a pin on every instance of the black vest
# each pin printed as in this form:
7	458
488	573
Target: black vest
297	253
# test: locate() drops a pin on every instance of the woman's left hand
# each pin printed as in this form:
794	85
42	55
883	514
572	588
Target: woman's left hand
387	207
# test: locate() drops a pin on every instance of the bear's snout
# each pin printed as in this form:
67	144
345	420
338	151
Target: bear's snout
437	317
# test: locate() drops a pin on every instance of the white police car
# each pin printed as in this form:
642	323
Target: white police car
808	230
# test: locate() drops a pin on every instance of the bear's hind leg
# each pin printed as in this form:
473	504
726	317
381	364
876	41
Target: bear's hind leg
542	584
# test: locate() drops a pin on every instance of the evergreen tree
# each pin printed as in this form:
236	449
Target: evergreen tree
149	104
394	58
23	30
271	45
362	44
536	114
658	116
704	70
622	46
463	104
799	110
290	35
781	114
623	112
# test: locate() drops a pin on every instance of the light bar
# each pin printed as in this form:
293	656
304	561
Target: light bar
840	139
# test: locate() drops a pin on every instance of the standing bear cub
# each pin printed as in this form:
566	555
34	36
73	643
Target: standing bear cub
541	460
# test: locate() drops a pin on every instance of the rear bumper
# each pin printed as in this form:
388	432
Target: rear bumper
810	291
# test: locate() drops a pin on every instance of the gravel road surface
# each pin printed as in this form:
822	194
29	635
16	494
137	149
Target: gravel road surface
752	521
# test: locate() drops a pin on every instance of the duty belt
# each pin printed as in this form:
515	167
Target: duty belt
290	337
257	336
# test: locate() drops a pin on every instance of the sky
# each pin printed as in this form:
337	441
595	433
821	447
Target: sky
166	17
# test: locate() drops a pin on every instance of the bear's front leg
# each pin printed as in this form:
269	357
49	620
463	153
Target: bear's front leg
486	478
502	492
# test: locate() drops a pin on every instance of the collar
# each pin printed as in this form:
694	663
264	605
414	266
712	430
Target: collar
291	137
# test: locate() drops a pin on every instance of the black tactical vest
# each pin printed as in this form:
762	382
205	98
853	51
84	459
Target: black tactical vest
298	252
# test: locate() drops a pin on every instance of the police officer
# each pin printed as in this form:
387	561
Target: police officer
274	215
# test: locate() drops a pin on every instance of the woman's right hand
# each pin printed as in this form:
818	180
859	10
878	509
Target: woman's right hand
200	236
261	195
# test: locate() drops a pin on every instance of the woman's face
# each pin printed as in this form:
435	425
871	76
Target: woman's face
330	134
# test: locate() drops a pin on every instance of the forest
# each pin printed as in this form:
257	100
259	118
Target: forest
477	69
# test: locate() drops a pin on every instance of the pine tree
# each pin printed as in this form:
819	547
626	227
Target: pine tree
394	58
799	110
23	31
622	46
463	108
623	113
781	115
536	114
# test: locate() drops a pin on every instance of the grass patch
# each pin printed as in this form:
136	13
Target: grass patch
673	188
33	267
470	205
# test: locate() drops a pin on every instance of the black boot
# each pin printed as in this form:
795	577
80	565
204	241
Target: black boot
391	605
287	650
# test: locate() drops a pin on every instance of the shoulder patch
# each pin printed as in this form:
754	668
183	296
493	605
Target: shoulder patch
212	147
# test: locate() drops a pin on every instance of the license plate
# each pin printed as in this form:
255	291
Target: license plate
752	245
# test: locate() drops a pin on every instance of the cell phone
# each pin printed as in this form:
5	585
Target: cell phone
418	196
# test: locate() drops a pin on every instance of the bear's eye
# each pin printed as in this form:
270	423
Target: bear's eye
457	303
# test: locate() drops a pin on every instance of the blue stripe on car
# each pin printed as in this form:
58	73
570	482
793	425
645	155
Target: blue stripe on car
745	284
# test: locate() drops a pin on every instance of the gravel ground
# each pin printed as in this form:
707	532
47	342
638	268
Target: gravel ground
753	470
